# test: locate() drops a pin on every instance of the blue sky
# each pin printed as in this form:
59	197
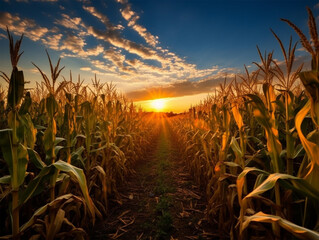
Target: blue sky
182	47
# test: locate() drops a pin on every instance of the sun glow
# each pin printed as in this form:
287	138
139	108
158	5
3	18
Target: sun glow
158	104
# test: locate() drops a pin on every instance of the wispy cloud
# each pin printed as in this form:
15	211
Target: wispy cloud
108	53
171	66
132	17
112	35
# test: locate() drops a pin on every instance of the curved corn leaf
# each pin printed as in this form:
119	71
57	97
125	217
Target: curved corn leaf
35	159
78	174
311	148
58	202
73	171
57	150
296	230
241	180
270	182
311	83
268	122
5	179
236	148
77	156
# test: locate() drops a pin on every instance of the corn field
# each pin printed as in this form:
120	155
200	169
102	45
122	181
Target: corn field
252	147
65	148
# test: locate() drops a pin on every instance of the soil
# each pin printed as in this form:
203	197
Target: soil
160	200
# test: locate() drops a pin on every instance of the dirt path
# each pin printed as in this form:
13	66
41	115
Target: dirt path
160	201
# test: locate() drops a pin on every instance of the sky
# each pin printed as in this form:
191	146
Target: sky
179	50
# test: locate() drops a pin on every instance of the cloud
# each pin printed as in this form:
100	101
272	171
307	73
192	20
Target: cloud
68	22
73	43
113	36
95	51
86	69
116	58
52	41
167	68
129	15
149	38
108	53
19	26
3	35
116	40
104	19
179	89
34	70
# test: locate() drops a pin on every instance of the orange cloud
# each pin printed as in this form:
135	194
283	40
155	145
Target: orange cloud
19	26
178	89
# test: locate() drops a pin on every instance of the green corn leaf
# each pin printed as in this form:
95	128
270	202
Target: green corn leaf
241	180
51	105
35	184
57	149
76	156
5	179
29	132
236	148
7	151
23	159
76	173
35	159
269	123
16	88
6	147
26	105
58	140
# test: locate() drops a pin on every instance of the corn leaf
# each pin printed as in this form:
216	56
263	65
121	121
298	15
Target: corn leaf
16	88
311	148
241	180
296	230
35	159
270	182
56	203
73	171
7	151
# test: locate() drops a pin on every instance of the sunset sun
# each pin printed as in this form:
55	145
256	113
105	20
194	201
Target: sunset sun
158	104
